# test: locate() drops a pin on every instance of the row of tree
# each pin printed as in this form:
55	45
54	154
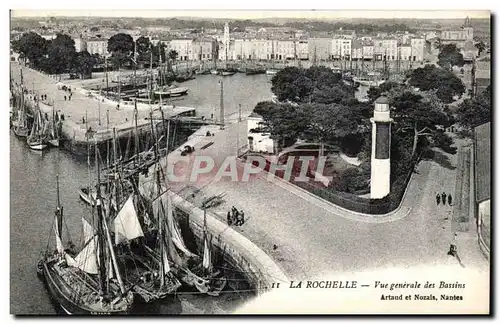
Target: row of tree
59	55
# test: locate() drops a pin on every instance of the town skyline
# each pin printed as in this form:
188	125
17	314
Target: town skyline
257	14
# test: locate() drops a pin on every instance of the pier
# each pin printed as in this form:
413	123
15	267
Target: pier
87	110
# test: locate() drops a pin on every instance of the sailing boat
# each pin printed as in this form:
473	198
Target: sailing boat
143	246
37	140
87	283
272	70
54	129
20	126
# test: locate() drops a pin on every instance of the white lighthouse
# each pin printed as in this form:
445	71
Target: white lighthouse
381	150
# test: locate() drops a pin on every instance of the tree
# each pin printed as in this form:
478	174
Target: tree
173	55
60	54
375	92
480	46
316	84
449	56
143	49
284	122
443	81
121	47
32	46
417	114
83	63
290	84
477	111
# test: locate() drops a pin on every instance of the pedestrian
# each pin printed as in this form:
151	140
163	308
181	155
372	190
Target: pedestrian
229	220
83	120
443	197
449	199
438	199
69	98
242	218
64	98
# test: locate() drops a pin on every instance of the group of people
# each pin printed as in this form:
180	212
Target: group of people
236	217
68	90
442	198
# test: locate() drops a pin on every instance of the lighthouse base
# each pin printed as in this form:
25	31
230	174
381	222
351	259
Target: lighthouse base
380	185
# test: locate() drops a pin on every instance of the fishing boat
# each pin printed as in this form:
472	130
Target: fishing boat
214	72
88	282
37	140
171	91
54	128
251	71
20	125
271	71
228	72
368	82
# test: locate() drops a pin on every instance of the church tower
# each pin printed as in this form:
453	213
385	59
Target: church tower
469	31
380	184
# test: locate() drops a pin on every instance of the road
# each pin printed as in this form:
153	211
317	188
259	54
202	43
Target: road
312	238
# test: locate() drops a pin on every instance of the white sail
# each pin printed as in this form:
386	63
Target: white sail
111	273
86	260
206	255
59	244
127	226
166	266
175	232
88	231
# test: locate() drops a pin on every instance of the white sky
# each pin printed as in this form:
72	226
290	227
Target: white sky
254	14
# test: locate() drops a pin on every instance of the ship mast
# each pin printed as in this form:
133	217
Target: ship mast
103	288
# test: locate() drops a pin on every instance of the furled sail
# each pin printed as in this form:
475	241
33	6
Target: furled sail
127	226
59	245
86	260
206	255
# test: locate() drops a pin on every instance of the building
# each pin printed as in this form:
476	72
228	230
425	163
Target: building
458	37
302	49
469	51
319	49
286	49
341	49
184	49
357	49
417	49
482	76
204	49
368	51
258	141
405	52
97	45
482	186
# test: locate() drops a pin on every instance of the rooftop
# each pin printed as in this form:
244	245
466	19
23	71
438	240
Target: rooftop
482	139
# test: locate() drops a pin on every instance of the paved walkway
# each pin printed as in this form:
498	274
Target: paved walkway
307	236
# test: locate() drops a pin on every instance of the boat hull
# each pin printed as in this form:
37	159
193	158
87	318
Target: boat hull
271	72
38	146
214	72
21	131
54	142
62	299
224	73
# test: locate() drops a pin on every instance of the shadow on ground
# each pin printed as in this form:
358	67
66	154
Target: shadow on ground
440	158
